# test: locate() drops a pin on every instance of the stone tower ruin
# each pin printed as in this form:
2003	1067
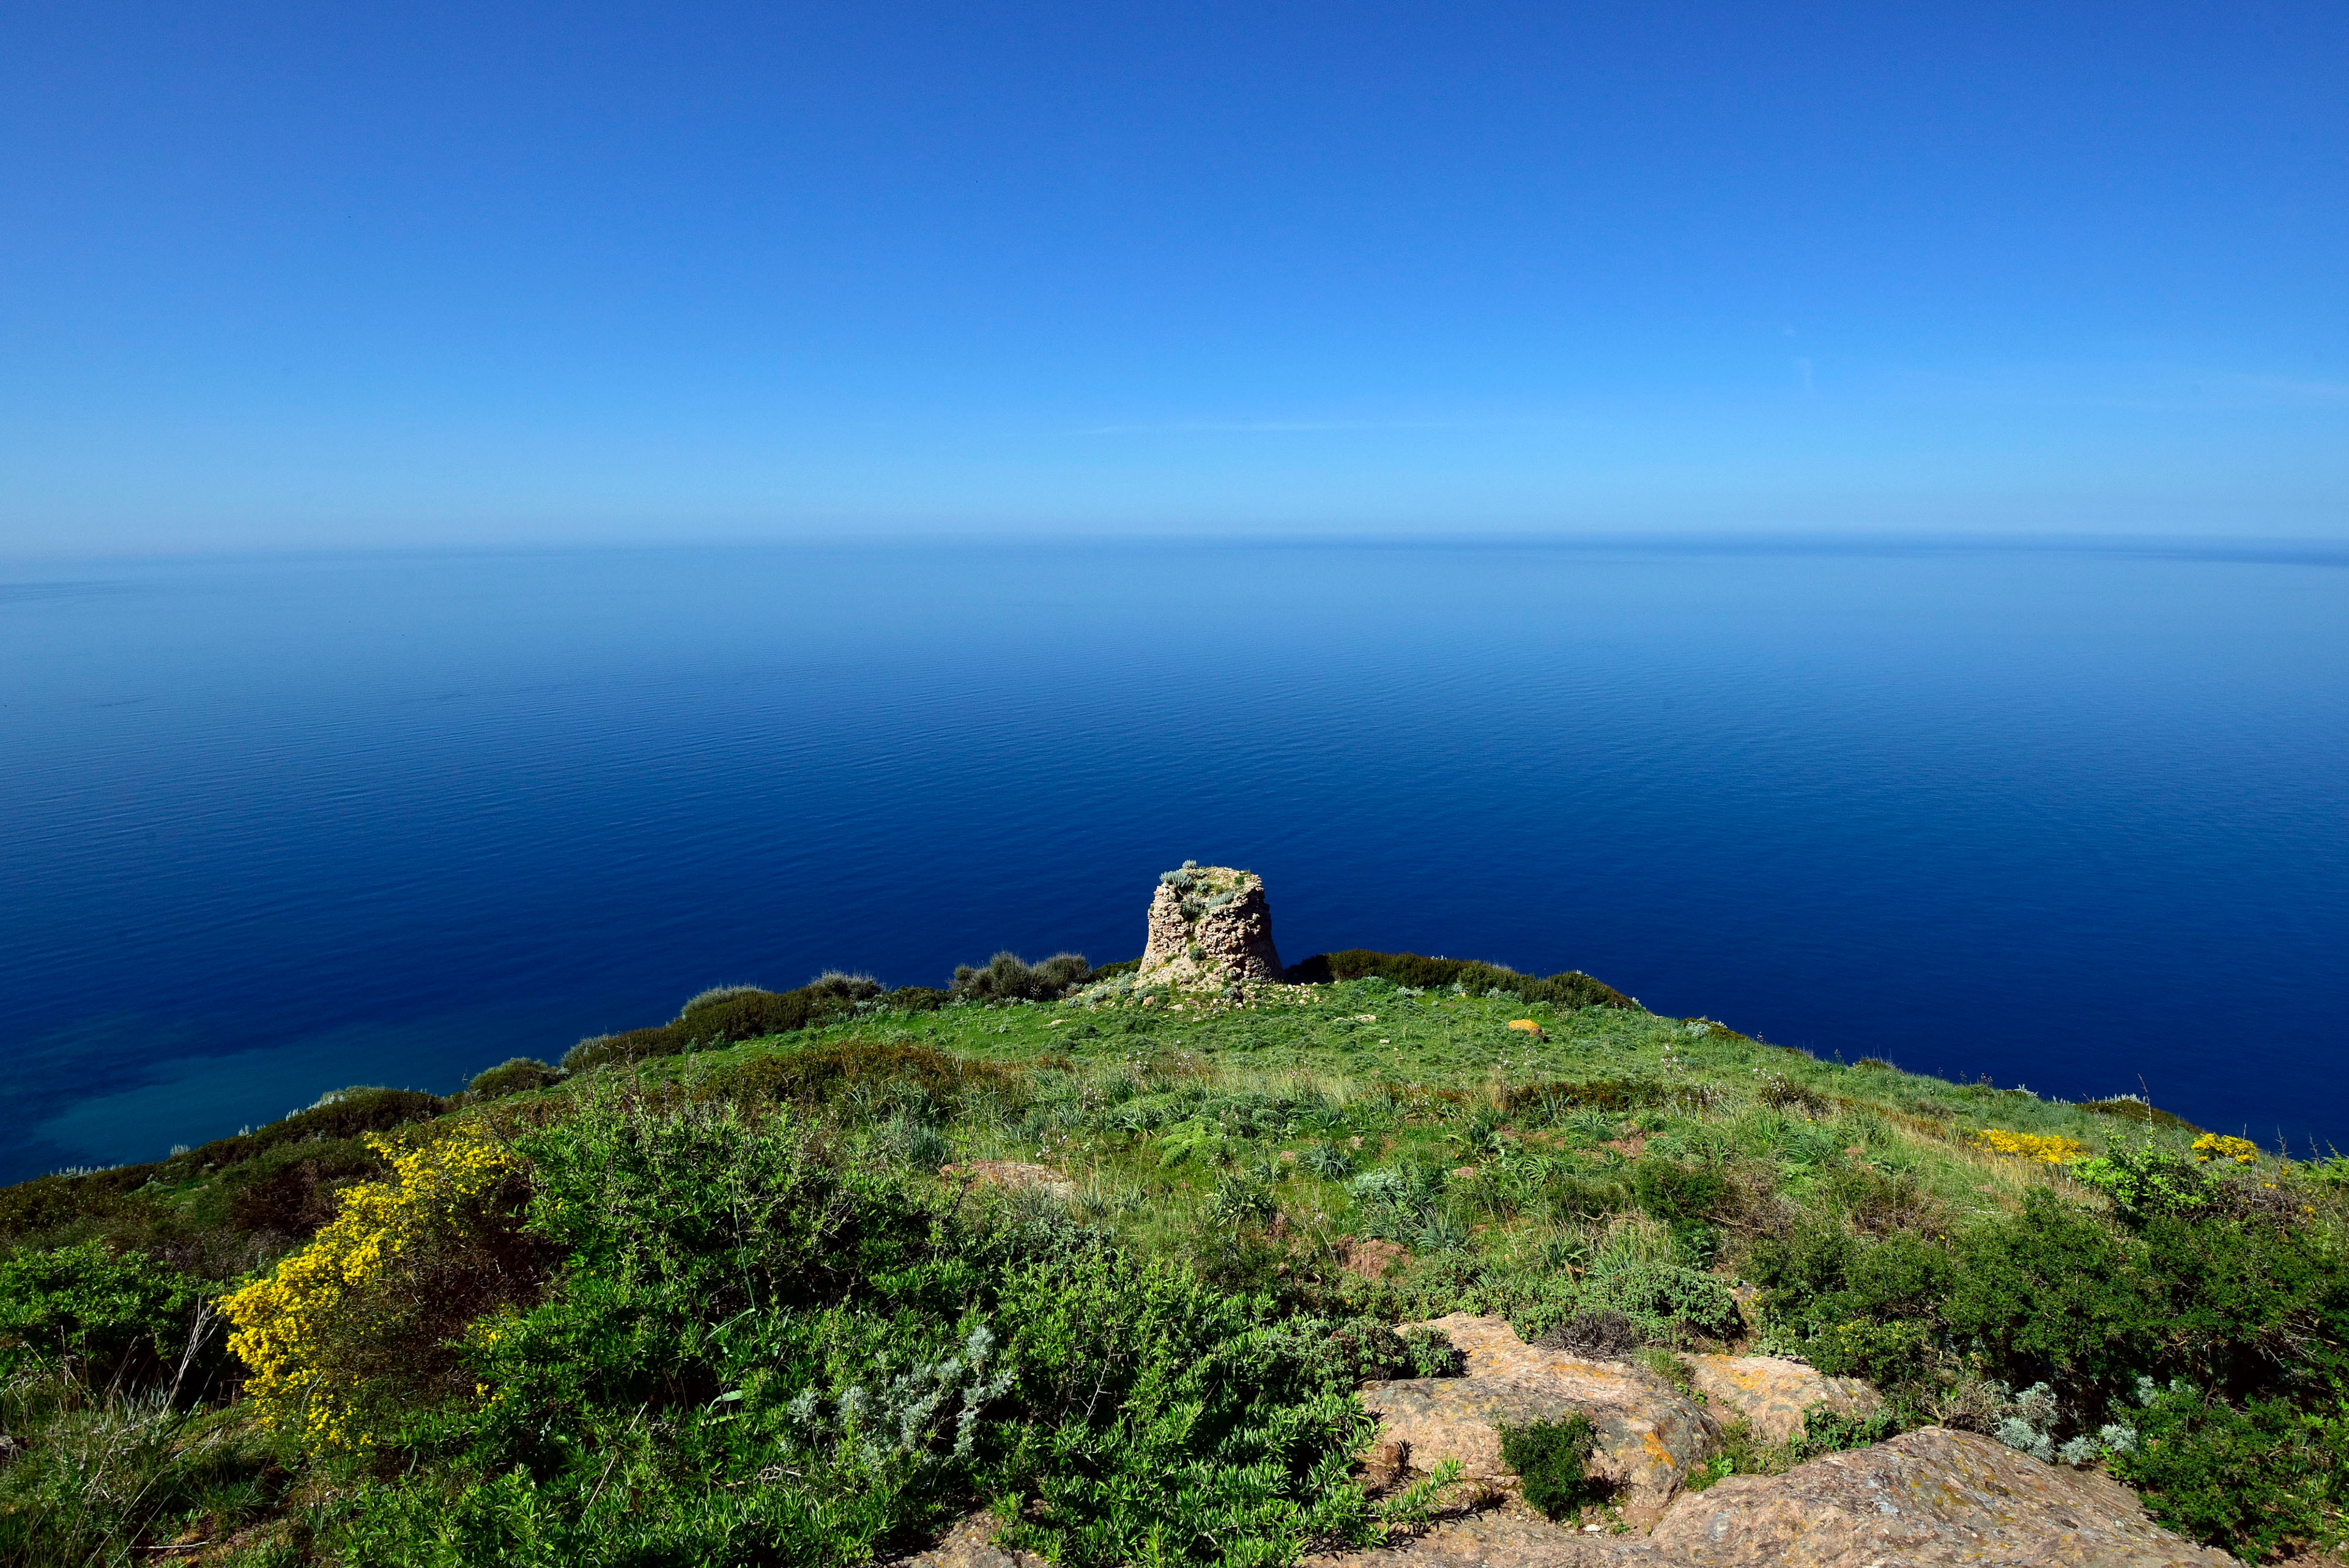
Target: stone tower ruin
1209	923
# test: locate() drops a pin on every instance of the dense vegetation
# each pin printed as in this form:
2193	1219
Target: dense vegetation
749	1287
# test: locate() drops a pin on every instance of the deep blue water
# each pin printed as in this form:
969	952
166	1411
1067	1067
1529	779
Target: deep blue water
2072	819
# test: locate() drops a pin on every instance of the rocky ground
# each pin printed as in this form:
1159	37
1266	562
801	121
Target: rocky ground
1932	1496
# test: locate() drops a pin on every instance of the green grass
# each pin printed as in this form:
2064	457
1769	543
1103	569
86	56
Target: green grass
1227	1167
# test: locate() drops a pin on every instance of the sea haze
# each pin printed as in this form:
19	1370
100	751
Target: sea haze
2073	819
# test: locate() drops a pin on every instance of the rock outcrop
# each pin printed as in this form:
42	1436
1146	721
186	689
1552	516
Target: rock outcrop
1209	924
1932	1496
1928	1499
1649	1435
1774	1395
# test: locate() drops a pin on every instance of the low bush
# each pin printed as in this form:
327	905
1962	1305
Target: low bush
2262	1478
1599	1336
345	1114
2145	1180
1433	1354
1359	1350
1008	978
359	1321
1571	987
2132	1109
758	1352
1686	1198
1853	1307
756	1014
727	1015
885	1073
1540	1104
122	1320
115	1203
2053	1294
1826	1431
2250	1308
288	1192
1668	1302
515	1075
1552	1462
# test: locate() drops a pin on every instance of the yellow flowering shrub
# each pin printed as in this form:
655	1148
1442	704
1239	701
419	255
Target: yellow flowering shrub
2217	1146
376	1292
2046	1147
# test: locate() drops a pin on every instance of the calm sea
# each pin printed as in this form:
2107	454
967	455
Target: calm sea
2066	818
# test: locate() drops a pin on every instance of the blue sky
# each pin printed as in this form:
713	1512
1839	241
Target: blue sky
376	275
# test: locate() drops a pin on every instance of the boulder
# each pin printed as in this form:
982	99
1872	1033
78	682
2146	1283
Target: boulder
1774	1394
1650	1436
1933	1496
1929	1499
1209	923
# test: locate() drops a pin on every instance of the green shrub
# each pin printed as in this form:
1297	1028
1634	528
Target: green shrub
1826	1432
1542	1103
287	1191
1358	1350
755	1015
345	1114
1668	1301
1798	1268
886	1073
2145	1182
1571	987
728	1015
1179	1424
68	1207
839	1359
1552	1461
1854	1308
2254	1479
1008	978
2053	1293
630	1045
2248	1307
1889	1353
1433	1354
1678	1194
515	1075
2131	1109
111	1319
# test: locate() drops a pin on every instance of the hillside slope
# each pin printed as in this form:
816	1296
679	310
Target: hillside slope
807	1277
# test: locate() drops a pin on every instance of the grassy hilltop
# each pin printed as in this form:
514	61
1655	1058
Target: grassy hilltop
805	1277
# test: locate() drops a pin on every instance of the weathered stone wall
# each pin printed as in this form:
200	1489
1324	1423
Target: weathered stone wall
1210	923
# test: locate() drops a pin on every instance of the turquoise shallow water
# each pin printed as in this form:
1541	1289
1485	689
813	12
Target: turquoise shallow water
2073	819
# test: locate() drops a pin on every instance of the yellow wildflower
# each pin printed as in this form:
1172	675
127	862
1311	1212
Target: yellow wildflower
287	1325
2046	1147
2217	1146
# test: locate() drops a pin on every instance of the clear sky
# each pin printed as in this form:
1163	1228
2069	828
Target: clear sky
422	274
